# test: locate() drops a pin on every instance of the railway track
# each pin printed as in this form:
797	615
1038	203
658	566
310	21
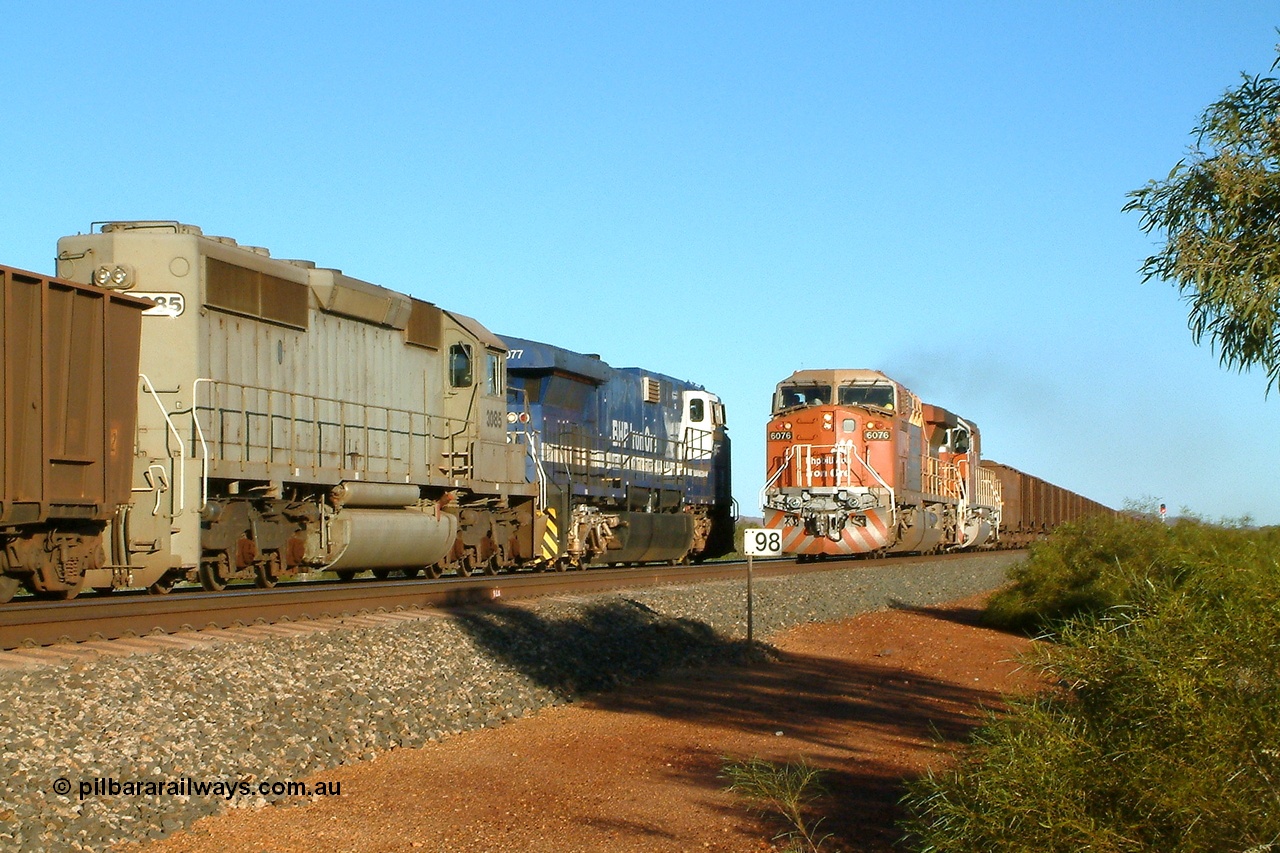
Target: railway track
40	623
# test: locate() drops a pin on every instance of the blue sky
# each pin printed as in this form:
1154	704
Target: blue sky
723	192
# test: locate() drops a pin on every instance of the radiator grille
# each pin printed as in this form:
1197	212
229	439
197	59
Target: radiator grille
257	294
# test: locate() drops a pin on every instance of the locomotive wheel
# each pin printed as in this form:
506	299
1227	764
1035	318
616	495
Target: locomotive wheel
267	572
8	588
491	565
382	574
345	574
411	571
434	571
466	566
213	572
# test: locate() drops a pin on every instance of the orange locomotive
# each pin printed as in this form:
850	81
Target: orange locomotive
857	465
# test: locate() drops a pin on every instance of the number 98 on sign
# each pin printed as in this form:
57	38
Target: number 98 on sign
761	542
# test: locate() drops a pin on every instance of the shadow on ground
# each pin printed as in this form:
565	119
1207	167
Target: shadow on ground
855	719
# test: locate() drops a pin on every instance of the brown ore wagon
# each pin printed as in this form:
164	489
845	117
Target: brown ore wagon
1033	507
68	411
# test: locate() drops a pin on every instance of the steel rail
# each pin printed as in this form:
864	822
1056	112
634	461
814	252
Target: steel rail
40	623
43	623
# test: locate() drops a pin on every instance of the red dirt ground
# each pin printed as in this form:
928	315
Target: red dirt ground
871	700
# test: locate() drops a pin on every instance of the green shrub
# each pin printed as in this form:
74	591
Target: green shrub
1088	567
784	791
1083	568
1164	731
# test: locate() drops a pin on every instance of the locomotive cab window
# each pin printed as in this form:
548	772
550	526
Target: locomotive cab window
803	395
697	410
871	396
460	366
493	375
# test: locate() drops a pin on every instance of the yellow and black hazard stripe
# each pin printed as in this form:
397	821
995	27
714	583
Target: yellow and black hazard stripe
551	536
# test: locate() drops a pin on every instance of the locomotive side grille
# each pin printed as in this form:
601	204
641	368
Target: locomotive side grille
652	390
257	294
425	325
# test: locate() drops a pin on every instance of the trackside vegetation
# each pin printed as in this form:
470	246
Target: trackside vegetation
784	792
1161	731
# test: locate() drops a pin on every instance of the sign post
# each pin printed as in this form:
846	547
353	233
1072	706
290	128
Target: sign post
758	542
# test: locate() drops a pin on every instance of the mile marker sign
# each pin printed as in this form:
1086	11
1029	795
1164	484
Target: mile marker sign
758	542
761	542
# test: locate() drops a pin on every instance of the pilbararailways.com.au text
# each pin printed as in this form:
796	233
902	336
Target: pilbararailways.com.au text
227	789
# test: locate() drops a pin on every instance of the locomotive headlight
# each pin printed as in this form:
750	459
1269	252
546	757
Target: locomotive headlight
114	276
121	276
511	417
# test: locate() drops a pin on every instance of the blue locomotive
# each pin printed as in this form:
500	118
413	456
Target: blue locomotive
631	466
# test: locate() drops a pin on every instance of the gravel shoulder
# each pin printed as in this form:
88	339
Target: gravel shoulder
409	721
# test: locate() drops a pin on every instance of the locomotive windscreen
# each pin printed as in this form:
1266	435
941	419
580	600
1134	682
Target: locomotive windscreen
878	396
811	394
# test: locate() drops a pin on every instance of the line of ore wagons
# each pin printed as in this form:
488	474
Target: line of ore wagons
177	407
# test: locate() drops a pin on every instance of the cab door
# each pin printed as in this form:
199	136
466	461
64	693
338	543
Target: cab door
697	424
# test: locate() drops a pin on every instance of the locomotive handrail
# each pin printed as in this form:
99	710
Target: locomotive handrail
399	429
592	454
786	460
149	388
893	500
531	441
204	446
841	449
989	492
933	481
874	473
